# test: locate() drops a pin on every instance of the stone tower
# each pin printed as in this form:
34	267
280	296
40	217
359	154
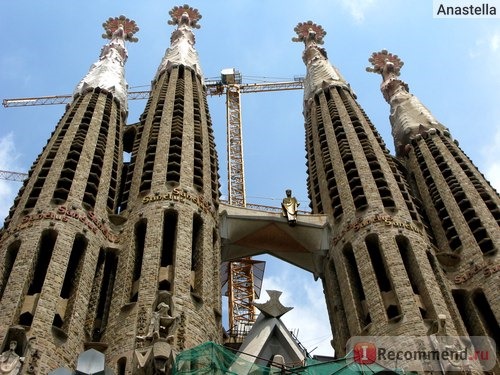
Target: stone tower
378	277
462	207
60	226
168	274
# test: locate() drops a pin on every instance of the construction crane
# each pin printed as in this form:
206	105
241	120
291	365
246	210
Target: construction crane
13	176
241	279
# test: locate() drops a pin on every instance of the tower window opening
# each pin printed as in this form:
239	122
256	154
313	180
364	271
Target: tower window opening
71	279
121	366
483	307
43	256
196	253
415	277
140	240
464	308
105	294
334	297
384	283
356	285
10	258
169	237
170	219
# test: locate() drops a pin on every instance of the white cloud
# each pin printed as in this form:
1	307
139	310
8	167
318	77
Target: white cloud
8	162
358	8
495	41
487	45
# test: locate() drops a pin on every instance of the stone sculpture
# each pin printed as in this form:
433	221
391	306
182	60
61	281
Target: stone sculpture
10	362
290	206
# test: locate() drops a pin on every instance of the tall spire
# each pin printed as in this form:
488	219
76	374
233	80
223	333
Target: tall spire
182	41
320	72
409	116
108	73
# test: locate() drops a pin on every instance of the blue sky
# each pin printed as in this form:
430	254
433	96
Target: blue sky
450	64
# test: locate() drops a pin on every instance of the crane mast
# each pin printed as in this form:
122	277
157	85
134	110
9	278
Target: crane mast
236	168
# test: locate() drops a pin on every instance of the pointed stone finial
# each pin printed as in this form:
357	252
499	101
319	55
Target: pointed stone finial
273	308
388	66
185	15
108	72
309	31
385	63
120	24
182	40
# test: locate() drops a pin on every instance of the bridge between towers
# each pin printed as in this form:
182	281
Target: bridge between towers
247	232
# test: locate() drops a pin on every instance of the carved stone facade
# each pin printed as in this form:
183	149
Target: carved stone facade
406	229
119	257
122	258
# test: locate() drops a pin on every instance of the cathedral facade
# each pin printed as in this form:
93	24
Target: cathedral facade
123	258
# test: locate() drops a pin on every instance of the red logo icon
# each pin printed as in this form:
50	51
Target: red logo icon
365	353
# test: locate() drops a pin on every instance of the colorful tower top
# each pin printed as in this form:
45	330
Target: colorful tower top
388	66
409	116
182	41
108	73
319	70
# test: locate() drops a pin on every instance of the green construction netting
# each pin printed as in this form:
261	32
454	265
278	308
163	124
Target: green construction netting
211	358
342	366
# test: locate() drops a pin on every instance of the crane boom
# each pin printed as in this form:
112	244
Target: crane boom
212	88
12	176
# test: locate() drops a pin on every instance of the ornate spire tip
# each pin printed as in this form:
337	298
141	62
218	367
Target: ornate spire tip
185	15
381	60
112	25
309	31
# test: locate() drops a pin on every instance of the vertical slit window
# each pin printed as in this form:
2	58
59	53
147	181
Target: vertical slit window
71	280
490	323
384	283
42	261
140	240
461	301
168	249
121	366
45	249
10	258
105	293
415	277
196	252
356	285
